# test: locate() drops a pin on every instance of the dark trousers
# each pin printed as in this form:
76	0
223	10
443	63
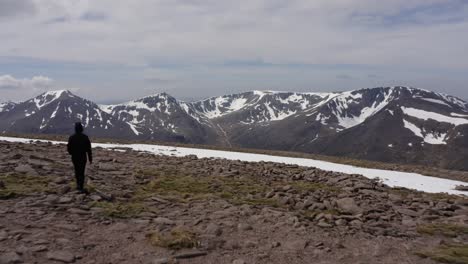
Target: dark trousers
79	163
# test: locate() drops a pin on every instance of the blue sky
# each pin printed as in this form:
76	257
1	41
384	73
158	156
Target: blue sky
115	50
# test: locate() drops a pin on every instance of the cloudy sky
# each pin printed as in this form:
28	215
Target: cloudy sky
115	50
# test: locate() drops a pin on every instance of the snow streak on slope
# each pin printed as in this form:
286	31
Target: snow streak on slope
6	106
391	178
347	120
458	115
426	115
455	101
430	138
436	101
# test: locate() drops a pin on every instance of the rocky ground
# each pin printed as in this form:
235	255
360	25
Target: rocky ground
158	209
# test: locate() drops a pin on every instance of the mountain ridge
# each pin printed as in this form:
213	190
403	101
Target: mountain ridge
394	124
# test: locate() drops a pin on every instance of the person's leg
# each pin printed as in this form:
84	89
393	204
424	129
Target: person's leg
76	166
82	175
79	164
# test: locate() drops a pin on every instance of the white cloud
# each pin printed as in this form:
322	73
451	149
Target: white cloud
280	31
8	82
406	35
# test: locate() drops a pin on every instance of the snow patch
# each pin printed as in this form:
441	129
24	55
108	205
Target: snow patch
426	115
436	101
391	178
132	126
458	115
47	98
432	138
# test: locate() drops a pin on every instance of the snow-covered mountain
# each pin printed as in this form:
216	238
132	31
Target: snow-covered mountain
398	124
259	106
54	112
162	117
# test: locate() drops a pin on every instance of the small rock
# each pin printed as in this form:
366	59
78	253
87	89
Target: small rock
192	254
244	227
463	188
356	223
63	241
95	198
64	200
165	261
62	256
296	245
250	244
340	222
408	212
39	248
275	244
78	211
27	169
395	198
3	235
40	242
239	261
140	221
324	224
163	221
61	180
10	258
348	206
213	229
63	189
107	167
232	244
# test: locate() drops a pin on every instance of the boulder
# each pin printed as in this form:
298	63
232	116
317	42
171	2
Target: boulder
348	206
26	169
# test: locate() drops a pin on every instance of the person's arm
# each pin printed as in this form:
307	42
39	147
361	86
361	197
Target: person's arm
89	151
69	146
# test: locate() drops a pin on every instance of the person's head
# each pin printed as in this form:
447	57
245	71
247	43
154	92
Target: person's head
79	127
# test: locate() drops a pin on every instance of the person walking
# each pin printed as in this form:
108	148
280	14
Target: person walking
79	147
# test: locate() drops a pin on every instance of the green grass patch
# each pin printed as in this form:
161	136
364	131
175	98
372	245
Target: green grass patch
443	229
120	209
15	185
451	253
179	186
305	186
239	190
177	238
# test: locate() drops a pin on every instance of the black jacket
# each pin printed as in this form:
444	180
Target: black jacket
78	145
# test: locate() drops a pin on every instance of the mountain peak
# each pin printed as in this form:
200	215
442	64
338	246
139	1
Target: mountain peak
56	93
49	97
157	96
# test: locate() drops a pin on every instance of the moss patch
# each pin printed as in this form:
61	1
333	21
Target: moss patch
15	185
120	209
238	190
177	238
305	186
442	229
451	253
